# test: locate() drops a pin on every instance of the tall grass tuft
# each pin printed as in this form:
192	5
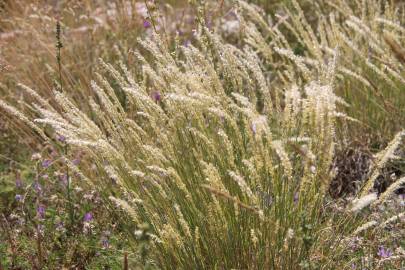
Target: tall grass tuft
369	35
207	158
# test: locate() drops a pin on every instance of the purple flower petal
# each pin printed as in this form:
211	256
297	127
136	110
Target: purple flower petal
187	43
88	217
46	163
383	252
41	211
76	161
18	182
156	96
37	187
147	24
105	243
61	138
296	197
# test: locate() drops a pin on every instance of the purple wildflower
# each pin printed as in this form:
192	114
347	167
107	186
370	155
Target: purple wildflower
296	197
88	217
63	178
156	96
41	211
105	243
76	161
46	163
18	197
383	252
187	43
18	182
61	138
147	24
402	199
209	23
37	187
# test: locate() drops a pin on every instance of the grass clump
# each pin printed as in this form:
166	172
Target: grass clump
211	156
369	36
